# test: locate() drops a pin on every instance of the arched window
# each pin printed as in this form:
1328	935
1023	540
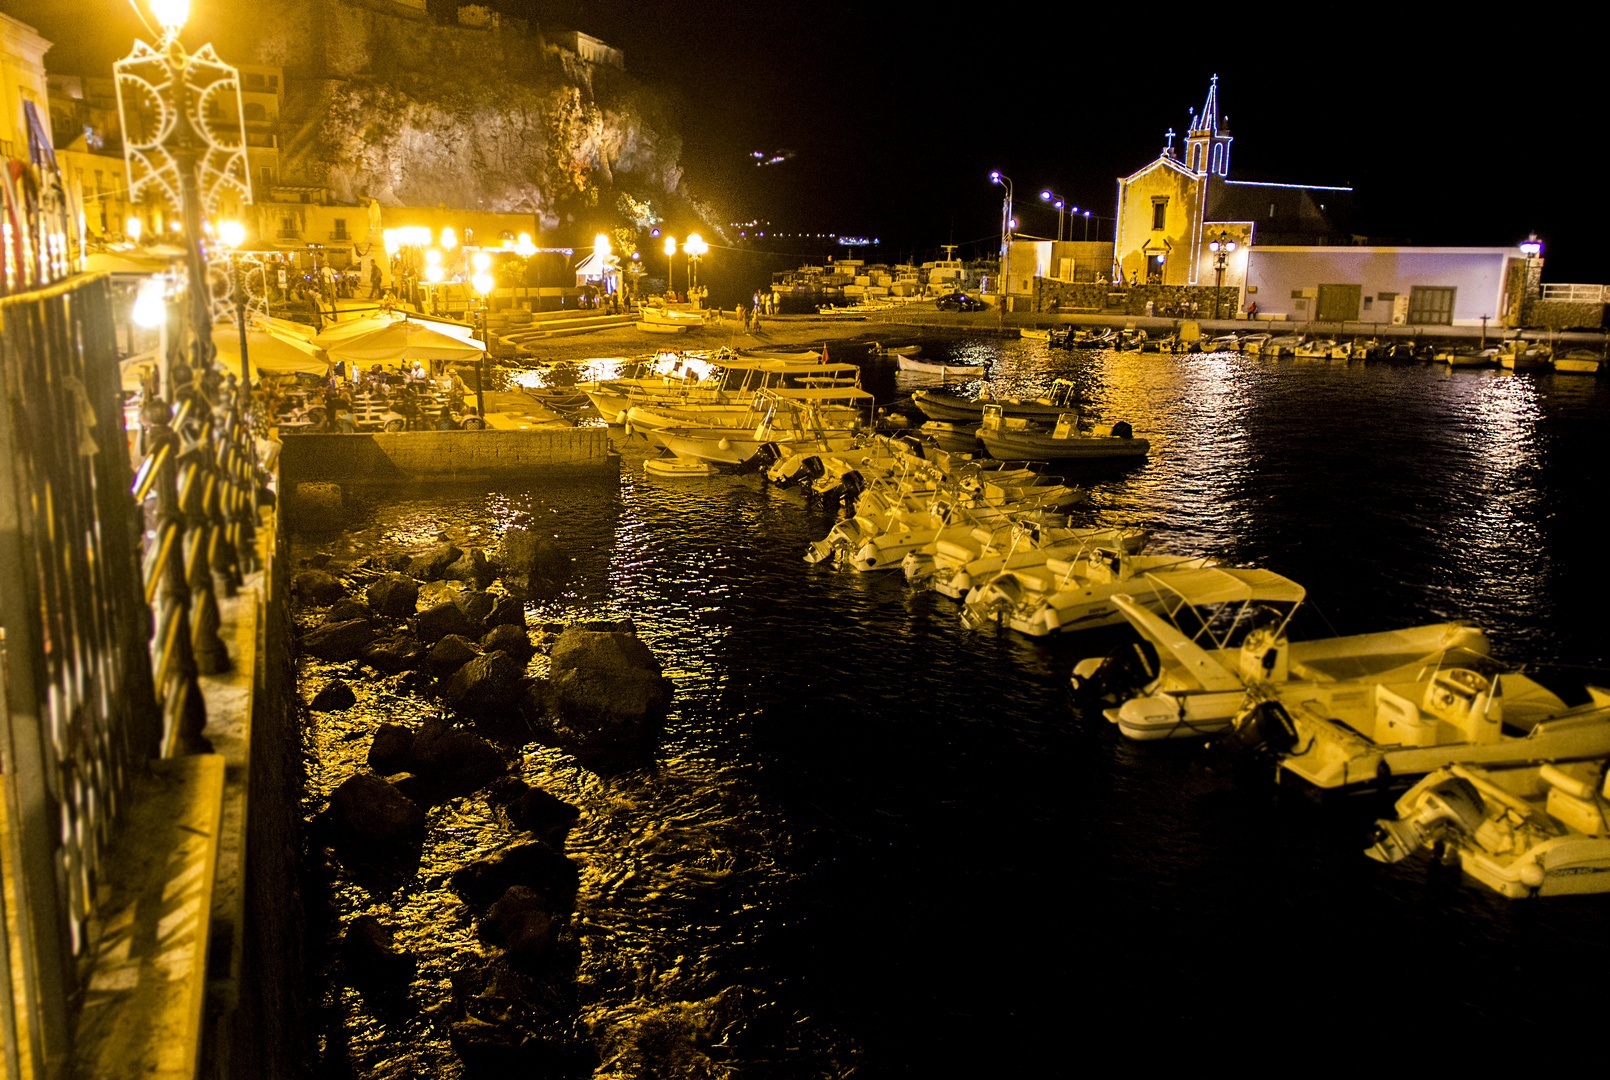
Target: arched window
1218	158
255	111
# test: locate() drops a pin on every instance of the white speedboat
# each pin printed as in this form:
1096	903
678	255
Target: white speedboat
669	320
1072	592
1218	631
1352	734
1532	831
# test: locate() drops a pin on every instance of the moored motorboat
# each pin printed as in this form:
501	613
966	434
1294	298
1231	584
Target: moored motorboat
1520	355
938	405
1067	592
1348	735
1532	831
1016	439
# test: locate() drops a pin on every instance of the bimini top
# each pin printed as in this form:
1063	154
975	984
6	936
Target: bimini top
1222	585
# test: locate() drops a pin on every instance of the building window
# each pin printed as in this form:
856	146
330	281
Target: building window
1159	208
254	80
1431	305
340	228
1218	158
255	112
1271	209
266	177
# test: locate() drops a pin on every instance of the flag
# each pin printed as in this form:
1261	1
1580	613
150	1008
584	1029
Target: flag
824	352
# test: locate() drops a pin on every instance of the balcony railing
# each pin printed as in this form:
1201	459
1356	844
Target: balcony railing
1578	294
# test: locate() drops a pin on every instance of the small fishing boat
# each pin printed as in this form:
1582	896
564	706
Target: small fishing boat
1075	338
1034	335
1315	349
944	371
1533	831
1224	343
1579	362
893	350
664	320
673	466
1524	356
1285	345
1463	356
1017	439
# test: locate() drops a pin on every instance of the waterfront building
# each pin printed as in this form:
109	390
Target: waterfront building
1296	255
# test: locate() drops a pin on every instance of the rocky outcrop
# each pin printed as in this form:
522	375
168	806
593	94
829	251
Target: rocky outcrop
490	682
605	700
370	819
394	596
338	641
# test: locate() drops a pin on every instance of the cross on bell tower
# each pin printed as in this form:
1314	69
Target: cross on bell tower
1168	151
1207	144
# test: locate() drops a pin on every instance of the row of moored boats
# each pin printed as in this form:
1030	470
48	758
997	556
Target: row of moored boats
1508	779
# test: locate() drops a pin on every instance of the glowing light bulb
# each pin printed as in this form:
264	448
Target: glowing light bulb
150	310
231	233
482	282
482	261
171	14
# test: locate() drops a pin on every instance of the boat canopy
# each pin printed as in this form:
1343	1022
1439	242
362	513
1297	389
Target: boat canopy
1223	585
818	393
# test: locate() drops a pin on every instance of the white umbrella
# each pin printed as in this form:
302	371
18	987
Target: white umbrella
269	352
397	341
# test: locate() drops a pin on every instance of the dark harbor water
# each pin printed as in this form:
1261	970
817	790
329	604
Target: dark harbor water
875	843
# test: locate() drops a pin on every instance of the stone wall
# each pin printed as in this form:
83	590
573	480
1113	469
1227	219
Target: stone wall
1564	315
444	456
1052	297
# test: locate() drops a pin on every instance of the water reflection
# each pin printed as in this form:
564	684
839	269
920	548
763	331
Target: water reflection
851	784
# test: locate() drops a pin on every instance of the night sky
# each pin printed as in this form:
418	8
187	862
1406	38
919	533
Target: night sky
893	117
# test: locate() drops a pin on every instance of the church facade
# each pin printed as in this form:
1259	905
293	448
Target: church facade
1294	256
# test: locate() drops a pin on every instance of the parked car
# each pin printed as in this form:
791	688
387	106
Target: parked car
960	301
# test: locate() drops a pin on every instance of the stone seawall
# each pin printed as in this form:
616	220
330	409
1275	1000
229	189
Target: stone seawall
447	456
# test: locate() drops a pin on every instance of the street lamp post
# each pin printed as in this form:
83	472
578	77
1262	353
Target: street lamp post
1221	248
482	281
1062	207
670	270
1087	223
694	246
1006	232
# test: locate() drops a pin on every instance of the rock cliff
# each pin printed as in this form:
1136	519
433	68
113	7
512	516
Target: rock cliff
383	103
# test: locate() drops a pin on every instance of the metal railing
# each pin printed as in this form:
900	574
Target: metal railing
103	641
1579	294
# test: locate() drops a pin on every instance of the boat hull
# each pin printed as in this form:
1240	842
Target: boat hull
1041	446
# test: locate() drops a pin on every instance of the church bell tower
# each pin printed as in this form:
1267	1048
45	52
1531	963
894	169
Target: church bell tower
1207	144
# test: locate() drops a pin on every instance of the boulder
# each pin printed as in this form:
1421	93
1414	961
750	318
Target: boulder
510	639
439	620
534	865
506	611
520	924
489	682
369	956
397	562
347	609
476	606
392	749
317	587
533	563
394	596
335	697
317	505
604	652
451	653
606	699
396	653
338	641
432	566
530	809
454	760
369	817
472	567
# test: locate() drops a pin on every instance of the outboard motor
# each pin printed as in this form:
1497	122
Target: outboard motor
763	458
1453	805
849	489
1262	734
1119	675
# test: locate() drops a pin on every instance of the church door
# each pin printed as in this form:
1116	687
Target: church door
1154	269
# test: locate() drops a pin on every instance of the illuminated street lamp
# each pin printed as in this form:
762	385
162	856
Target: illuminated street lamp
1061	204
1222	249
694	246
670	252
1006	231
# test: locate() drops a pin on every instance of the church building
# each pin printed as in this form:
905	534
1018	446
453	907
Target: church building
1288	248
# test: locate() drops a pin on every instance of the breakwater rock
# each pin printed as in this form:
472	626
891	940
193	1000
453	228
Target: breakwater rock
442	631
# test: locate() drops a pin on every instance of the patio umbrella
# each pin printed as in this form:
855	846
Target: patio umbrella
268	352
396	341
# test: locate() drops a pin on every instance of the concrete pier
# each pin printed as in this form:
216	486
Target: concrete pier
448	456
